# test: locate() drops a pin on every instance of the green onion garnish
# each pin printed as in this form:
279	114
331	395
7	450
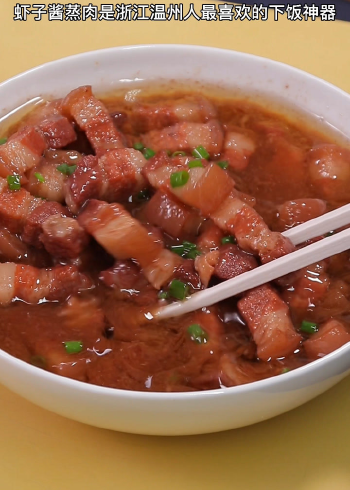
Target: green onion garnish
228	239
197	333
222	164
148	153
40	177
38	361
330	233
308	327
178	179
195	163
187	250
138	146
285	370
66	169
178	289
163	295
179	154
143	195
192	254
3	141
14	182
73	346
200	152
178	249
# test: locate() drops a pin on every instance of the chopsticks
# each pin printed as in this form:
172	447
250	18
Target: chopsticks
319	226
310	254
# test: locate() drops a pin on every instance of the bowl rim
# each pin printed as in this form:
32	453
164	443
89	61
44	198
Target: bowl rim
172	46
260	385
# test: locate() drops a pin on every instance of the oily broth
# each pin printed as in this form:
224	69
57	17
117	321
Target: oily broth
237	110
136	355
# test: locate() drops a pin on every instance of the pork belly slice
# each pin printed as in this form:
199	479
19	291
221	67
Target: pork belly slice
238	148
22	213
210	237
112	177
22	151
253	235
51	182
32	285
15	207
63	237
57	131
186	136
150	116
268	320
232	261
227	262
13	249
173	217
33	226
92	116
48	119
293	213
125	238
330	336
205	266
307	287
159	168
250	230
205	189
50	226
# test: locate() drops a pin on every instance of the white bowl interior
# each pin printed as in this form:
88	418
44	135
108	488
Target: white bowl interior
178	413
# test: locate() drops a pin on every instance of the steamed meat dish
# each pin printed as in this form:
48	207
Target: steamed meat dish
109	209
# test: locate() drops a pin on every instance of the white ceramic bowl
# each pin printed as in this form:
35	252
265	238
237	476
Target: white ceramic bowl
194	412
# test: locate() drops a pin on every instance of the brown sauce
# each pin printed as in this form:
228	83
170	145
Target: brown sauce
121	349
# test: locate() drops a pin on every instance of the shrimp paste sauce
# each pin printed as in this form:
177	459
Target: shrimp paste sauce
112	207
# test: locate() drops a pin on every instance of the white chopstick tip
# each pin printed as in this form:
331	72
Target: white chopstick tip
263	274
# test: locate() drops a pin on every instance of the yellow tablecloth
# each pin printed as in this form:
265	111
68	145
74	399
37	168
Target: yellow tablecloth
306	449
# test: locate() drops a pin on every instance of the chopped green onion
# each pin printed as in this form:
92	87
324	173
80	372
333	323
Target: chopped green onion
178	179
143	195
187	250
195	163
285	370
178	289
189	245
163	295
73	346
197	333
222	164
40	177
148	153
308	327
200	152
192	254
14	182
138	146
178	249
38	361
330	233
179	154
228	239
3	141
66	169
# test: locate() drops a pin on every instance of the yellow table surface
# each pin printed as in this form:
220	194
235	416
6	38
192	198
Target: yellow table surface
306	449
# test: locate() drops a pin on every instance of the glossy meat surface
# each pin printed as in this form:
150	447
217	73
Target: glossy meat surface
111	208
